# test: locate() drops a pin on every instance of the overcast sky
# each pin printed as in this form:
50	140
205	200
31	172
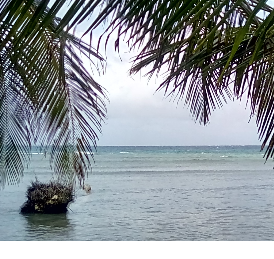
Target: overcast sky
139	116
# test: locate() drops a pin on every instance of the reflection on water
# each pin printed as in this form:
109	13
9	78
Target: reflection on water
47	220
48	227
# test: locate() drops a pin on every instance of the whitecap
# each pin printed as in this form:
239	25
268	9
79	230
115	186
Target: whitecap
88	153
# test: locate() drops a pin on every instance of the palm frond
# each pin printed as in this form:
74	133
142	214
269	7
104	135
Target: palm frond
80	108
180	37
207	51
15	113
47	95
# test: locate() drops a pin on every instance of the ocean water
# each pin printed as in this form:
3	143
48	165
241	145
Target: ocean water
155	193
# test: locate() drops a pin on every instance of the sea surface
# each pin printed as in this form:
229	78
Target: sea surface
155	193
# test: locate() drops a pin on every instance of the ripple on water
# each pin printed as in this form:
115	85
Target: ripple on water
200	203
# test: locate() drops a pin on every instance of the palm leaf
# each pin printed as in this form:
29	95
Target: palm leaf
206	51
15	113
47	95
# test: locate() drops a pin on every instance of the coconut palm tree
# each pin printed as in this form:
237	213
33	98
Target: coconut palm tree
207	51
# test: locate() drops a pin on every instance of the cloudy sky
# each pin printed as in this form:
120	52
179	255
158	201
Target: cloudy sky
139	116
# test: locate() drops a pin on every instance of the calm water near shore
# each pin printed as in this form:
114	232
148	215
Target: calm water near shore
155	193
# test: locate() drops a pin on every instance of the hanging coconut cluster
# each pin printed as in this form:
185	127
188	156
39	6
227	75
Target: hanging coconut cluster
52	197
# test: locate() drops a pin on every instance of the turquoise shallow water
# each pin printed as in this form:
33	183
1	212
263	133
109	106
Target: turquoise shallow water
155	193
